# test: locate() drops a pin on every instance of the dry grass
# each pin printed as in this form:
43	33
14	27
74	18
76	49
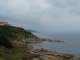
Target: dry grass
1	59
30	56
19	52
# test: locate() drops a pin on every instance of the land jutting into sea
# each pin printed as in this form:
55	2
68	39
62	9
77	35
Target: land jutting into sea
14	45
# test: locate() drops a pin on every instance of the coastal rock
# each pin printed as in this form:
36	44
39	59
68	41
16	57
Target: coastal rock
53	55
57	41
45	39
33	40
44	54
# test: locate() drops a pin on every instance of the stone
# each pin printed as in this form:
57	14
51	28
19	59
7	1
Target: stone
35	59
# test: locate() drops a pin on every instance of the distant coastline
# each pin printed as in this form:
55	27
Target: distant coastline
31	30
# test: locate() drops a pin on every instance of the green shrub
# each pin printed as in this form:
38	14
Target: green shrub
4	42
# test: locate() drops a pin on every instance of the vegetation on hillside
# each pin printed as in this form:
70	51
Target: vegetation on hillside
11	32
4	42
10	50
19	52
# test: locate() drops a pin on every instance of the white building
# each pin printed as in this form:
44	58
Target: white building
2	23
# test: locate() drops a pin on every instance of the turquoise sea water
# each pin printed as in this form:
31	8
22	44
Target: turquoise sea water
71	42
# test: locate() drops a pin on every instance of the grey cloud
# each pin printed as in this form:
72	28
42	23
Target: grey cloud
41	15
72	3
63	3
75	11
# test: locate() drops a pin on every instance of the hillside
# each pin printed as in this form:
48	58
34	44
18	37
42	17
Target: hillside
12	32
14	46
9	33
12	41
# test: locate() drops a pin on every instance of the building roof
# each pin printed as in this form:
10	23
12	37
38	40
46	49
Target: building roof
4	23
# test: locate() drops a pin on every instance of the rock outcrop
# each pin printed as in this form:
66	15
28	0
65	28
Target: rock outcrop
52	55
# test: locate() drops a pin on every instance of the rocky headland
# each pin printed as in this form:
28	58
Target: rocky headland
14	46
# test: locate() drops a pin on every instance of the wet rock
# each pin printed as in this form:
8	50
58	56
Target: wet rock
45	39
57	41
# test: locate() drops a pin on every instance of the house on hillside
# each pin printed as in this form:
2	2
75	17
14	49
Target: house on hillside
2	23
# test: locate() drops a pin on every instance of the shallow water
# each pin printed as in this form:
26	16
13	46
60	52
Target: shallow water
71	42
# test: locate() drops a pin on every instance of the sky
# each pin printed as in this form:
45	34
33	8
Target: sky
42	15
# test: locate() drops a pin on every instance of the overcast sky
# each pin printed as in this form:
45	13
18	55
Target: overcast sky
42	15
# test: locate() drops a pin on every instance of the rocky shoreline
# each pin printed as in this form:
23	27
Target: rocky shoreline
43	54
45	39
17	39
33	40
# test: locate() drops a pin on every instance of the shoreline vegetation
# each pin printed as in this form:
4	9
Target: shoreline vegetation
14	46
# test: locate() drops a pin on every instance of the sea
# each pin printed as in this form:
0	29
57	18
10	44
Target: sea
70	45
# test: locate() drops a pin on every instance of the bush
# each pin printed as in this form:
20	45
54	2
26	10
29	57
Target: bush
4	42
